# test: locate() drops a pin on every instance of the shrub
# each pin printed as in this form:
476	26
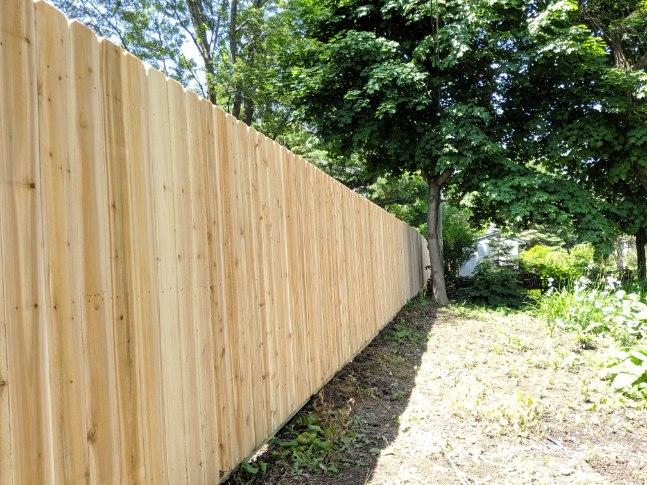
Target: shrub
557	266
628	369
494	285
605	309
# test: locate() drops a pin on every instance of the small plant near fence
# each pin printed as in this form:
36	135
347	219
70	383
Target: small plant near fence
312	442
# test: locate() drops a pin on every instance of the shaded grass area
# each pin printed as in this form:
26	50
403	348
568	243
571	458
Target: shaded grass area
338	436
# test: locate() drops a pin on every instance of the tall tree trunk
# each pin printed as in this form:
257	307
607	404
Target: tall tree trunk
641	241
641	171
434	241
238	101
620	262
233	52
248	115
201	39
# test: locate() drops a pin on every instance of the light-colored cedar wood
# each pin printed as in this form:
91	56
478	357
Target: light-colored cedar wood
342	285
162	186
142	271
265	296
255	267
337	310
6	465
293	208
247	304
283	323
266	302
198	130
371	301
209	348
184	246
22	257
179	284
315	252
222	374
325	275
274	281
61	204
127	357
87	147
227	353
236	239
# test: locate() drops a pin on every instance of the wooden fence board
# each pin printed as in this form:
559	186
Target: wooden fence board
174	284
161	173
87	148
61	202
22	258
121	226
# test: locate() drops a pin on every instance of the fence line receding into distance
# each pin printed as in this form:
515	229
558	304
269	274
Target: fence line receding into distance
174	284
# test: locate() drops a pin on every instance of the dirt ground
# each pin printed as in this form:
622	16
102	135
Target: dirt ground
462	396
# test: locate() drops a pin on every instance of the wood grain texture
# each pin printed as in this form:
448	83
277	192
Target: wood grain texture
87	149
23	271
61	203
175	285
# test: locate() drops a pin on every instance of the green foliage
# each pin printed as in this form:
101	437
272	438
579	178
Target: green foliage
605	310
558	266
404	333
313	442
599	310
459	238
543	236
525	195
404	196
493	285
628	369
140	26
382	79
585	123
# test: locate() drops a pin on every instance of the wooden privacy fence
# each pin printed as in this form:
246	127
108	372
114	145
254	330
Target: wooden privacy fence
174	284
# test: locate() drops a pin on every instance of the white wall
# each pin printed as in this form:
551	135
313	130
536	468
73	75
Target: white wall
483	251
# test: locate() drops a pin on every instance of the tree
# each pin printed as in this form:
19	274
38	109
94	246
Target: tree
410	86
229	51
580	113
139	26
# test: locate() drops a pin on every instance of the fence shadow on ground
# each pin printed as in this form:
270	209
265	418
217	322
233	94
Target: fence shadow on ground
338	436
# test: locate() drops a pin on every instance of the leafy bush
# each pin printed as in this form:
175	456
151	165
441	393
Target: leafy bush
597	310
557	265
628	368
605	309
494	285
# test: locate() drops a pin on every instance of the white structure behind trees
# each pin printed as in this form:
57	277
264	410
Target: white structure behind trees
494	246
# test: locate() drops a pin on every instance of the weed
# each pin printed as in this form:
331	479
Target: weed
520	416
585	341
404	333
516	343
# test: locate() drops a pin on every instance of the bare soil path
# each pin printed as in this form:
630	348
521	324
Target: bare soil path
462	396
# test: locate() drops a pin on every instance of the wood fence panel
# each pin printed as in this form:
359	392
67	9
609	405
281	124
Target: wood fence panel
126	355
163	187
175	285
224	326
22	259
283	324
61	203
